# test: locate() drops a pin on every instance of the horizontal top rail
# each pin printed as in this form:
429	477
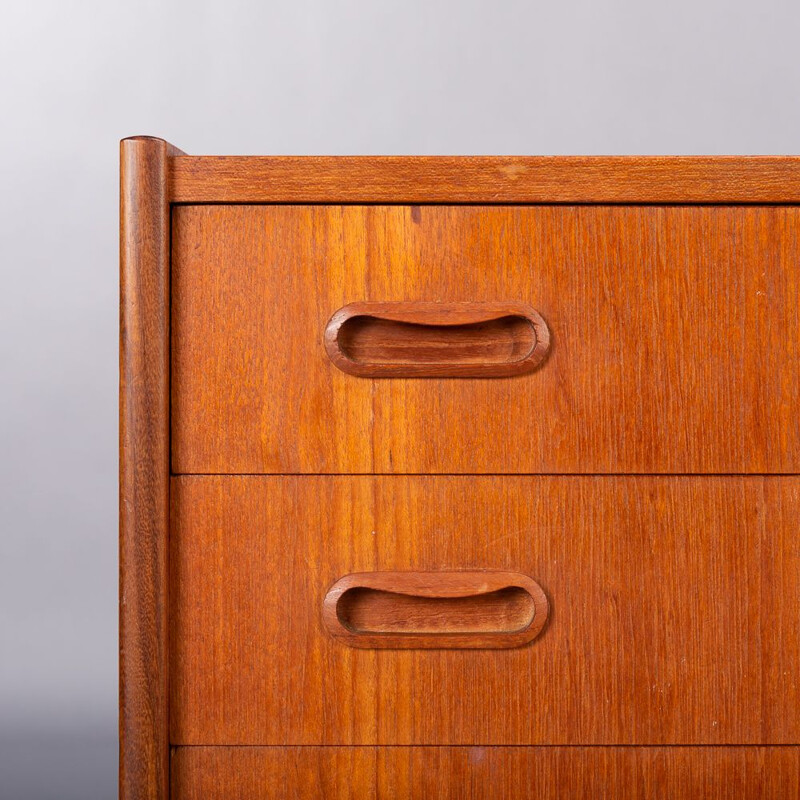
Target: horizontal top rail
485	179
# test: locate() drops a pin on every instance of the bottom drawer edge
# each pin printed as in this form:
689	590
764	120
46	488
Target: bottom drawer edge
475	773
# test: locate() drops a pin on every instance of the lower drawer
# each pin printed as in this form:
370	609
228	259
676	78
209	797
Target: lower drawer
486	773
674	611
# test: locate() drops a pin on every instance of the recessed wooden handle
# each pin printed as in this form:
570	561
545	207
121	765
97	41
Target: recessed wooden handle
435	610
437	340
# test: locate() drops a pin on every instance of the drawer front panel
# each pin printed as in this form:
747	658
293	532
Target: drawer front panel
486	773
674	615
674	339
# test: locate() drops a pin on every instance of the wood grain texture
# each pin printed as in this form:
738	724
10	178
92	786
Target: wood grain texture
675	339
674	611
481	609
437	340
144	469
486	773
638	179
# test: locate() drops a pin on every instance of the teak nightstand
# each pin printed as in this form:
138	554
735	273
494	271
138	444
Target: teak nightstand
459	477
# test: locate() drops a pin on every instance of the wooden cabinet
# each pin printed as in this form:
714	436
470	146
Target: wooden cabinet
464	478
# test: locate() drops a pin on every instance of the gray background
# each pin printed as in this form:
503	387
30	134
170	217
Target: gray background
421	77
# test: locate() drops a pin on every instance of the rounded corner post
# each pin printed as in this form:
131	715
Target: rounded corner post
144	469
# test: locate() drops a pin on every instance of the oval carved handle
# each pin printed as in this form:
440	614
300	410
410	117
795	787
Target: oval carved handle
435	610
437	340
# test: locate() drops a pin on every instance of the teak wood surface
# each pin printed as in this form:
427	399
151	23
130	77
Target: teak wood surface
486	773
674	612
670	289
485	180
675	339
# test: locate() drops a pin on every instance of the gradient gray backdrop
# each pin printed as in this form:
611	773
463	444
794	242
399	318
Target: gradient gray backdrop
427	76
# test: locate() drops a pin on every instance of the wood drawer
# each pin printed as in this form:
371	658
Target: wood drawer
486	773
675	339
674	610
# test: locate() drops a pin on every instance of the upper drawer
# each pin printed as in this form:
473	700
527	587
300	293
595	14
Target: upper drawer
674	339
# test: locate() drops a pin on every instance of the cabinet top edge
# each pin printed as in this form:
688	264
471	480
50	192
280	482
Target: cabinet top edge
483	179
